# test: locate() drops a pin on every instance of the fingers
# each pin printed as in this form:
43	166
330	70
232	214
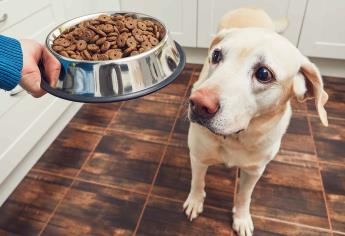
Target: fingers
33	53
52	67
31	82
31	76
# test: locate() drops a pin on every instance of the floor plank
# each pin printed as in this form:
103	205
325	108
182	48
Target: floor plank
334	182
31	204
93	210
68	152
124	161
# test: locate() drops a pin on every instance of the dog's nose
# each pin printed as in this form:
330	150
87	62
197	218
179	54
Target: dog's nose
204	103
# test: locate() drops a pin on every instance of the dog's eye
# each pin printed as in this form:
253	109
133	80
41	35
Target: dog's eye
217	56
264	75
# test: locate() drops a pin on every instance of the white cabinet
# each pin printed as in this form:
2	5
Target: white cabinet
23	125
104	5
323	33
25	121
33	20
179	15
193	23
77	8
210	12
18	114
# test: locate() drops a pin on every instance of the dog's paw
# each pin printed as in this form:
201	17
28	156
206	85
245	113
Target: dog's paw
193	206
243	225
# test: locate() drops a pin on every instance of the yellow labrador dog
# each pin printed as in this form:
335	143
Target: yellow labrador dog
240	106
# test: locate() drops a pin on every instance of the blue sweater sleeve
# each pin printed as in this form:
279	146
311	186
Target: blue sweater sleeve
11	62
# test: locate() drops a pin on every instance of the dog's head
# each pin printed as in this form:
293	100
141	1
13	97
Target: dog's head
252	72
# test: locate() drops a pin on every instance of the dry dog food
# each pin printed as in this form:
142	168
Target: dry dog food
108	38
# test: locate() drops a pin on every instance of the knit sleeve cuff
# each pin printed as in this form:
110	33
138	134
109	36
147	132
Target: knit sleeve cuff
11	63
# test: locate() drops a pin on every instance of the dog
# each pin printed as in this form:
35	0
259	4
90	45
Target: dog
239	109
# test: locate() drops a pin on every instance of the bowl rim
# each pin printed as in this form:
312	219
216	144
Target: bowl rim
119	61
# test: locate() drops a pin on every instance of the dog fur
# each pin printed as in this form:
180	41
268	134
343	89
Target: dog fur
247	37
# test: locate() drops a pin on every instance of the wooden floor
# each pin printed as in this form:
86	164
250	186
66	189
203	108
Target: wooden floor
123	169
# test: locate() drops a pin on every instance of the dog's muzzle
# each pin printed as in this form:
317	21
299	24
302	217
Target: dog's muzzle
205	119
202	117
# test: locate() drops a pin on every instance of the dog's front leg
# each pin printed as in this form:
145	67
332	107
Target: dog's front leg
242	221
193	206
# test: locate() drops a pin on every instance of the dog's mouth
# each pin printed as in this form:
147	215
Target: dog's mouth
207	124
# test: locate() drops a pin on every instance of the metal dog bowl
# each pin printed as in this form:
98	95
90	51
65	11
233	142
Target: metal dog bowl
115	80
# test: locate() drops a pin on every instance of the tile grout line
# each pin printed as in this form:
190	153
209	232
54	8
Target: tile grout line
320	175
253	215
89	182
130	133
312	115
163	154
292	223
338	232
67	190
235	194
79	171
236	185
331	164
312	161
329	117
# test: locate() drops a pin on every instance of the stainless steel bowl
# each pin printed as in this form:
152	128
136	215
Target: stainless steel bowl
115	80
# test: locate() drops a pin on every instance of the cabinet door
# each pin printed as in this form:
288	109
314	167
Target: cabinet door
104	5
24	119
211	11
78	8
178	15
75	8
323	32
30	19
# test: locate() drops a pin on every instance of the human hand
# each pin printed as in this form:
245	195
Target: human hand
33	52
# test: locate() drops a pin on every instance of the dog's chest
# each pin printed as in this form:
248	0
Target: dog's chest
235	153
241	151
232	152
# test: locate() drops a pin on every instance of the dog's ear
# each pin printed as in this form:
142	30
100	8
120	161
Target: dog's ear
220	36
308	84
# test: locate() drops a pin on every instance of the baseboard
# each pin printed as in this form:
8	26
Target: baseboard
16	176
328	67
195	55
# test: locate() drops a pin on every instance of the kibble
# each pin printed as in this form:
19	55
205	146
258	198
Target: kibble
108	37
